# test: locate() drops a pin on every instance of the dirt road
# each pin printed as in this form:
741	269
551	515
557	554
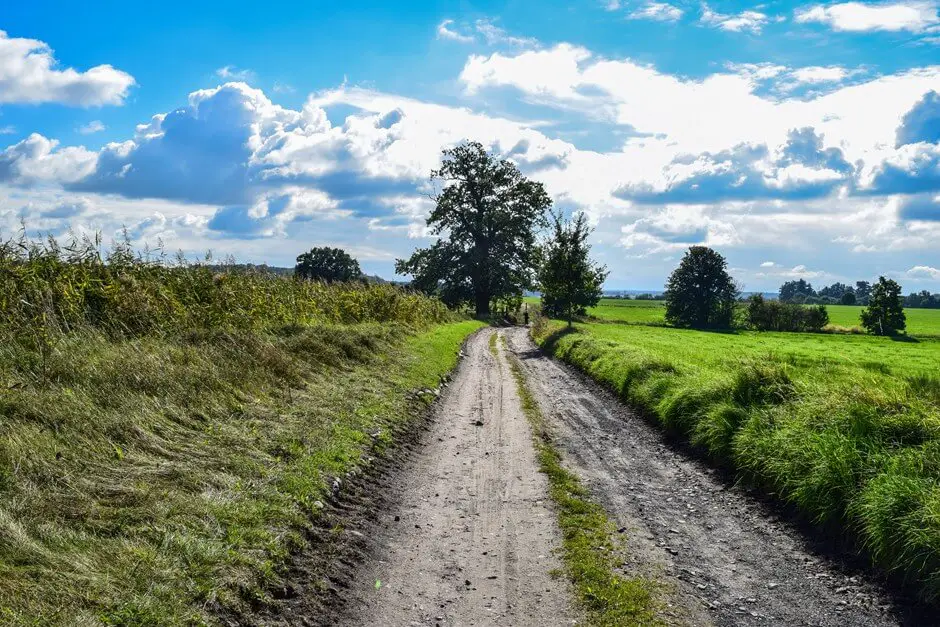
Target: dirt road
470	535
722	549
467	533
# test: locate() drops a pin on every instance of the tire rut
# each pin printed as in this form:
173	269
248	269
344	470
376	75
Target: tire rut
469	536
720	548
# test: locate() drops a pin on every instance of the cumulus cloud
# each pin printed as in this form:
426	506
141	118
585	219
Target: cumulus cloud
922	122
923	272
924	207
657	11
858	17
713	160
38	159
29	74
751	21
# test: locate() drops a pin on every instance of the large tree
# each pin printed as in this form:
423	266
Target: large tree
327	264
569	281
487	215
700	292
885	312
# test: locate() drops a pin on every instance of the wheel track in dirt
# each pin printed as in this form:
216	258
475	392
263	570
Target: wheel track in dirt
720	549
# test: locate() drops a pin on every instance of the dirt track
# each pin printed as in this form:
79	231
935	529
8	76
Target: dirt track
469	539
467	534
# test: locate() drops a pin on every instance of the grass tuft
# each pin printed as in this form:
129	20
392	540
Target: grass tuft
589	553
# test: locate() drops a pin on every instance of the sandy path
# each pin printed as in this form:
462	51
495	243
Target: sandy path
726	553
469	538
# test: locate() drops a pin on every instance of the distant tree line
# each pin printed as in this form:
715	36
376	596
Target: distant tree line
801	292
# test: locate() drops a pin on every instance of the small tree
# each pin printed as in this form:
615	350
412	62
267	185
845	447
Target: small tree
570	283
885	312
848	298
489	214
700	292
331	265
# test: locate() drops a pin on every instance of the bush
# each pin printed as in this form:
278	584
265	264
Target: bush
773	315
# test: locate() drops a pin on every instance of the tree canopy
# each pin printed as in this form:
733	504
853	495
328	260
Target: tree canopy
885	312
487	215
700	292
331	265
569	281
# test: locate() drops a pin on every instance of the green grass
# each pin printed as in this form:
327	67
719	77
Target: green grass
920	322
589	554
630	311
846	428
160	481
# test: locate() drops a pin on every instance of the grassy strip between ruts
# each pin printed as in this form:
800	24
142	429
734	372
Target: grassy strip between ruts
588	551
161	480
850	436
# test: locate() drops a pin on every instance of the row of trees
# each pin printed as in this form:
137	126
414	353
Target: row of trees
801	291
701	294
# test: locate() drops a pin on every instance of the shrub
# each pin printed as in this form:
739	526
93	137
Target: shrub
774	315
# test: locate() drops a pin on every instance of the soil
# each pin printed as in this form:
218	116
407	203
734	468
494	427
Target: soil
470	535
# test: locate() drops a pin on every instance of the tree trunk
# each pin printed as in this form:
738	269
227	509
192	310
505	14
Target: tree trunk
569	316
482	303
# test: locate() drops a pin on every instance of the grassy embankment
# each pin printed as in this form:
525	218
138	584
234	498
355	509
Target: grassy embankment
846	428
589	554
920	322
167	436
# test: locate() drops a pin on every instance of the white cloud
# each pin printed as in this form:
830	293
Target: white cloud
494	35
7	130
95	126
658	11
752	21
444	31
819	74
923	272
858	17
37	159
768	264
232	73
28	74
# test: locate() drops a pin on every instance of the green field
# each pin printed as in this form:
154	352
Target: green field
920	322
844	427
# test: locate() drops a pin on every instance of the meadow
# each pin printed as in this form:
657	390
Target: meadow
845	428
920	322
169	433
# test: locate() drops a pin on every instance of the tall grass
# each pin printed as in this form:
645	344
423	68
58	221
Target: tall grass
48	288
169	432
852	447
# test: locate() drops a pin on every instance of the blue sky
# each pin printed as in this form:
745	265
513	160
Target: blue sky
798	139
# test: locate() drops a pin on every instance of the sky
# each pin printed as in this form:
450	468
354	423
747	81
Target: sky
800	140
